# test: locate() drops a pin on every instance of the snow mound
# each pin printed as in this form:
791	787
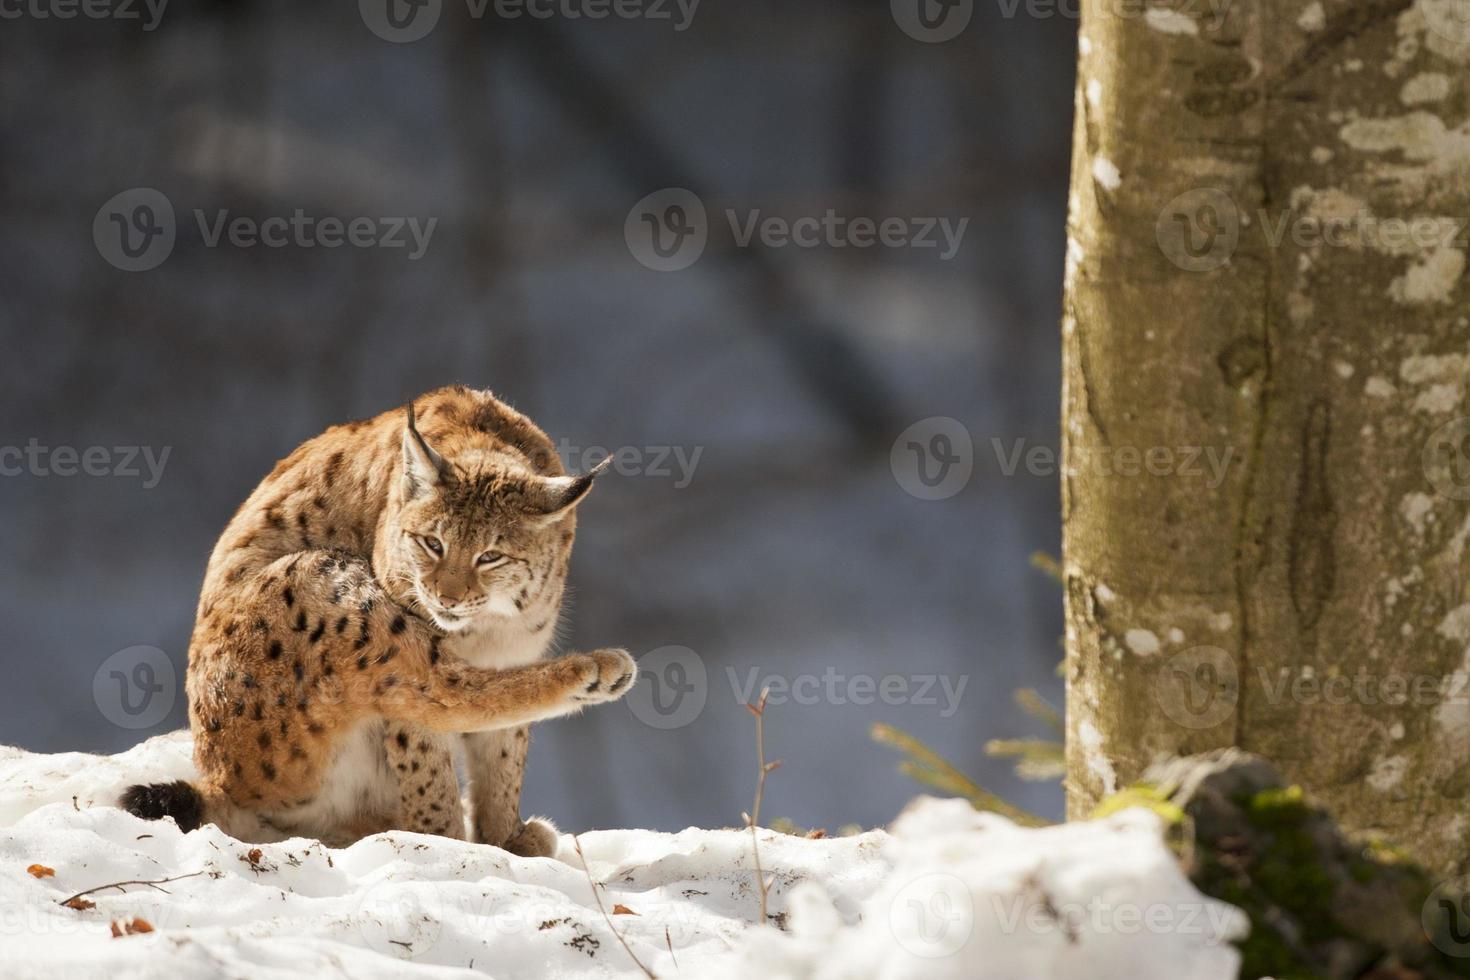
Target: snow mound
973	896
951	893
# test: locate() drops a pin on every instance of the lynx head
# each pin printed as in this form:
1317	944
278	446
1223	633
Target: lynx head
478	537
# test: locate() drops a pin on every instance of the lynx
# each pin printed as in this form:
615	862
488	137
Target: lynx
389	589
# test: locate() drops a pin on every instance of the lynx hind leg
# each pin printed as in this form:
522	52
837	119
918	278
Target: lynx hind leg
428	790
497	766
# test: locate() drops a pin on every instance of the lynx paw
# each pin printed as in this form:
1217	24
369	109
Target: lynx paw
603	675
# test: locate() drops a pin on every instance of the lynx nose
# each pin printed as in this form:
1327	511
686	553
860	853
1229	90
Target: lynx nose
450	590
448	604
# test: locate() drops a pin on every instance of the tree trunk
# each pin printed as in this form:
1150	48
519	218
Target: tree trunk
1265	351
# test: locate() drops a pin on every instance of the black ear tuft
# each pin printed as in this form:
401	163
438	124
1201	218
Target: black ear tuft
550	496
421	464
158	800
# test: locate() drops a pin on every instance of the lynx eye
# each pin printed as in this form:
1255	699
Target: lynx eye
431	544
489	558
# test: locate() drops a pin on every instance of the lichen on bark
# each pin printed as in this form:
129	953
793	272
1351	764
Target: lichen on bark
1267	272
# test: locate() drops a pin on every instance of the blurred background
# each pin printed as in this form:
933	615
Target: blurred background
764	395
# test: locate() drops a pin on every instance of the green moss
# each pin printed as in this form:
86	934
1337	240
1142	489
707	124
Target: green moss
1286	872
1381	851
1273	808
1144	795
1287	868
1291	871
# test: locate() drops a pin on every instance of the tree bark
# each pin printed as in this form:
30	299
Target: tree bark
1267	460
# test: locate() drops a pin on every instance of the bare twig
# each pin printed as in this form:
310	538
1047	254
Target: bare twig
753	818
577	843
119	885
669	942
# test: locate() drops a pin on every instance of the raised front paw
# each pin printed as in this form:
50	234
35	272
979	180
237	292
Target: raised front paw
603	675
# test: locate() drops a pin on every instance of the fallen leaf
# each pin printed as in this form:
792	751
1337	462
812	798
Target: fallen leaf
818	834
80	904
40	871
253	856
132	927
623	910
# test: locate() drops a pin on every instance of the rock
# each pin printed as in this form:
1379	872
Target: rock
1320	904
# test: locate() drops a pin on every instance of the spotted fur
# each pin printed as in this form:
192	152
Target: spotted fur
392	585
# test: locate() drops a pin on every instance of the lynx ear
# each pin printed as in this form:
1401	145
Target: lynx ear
422	466
549	497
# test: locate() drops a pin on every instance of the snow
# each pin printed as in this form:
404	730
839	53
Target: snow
950	892
1105	172
974	897
1090	738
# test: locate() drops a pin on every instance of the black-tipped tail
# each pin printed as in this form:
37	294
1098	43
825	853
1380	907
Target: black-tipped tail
158	800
